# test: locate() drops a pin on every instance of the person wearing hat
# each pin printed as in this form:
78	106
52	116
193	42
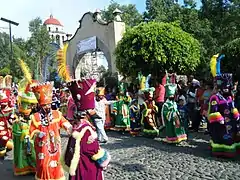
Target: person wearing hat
44	129
223	117
121	110
6	117
175	132
24	156
83	157
149	115
100	107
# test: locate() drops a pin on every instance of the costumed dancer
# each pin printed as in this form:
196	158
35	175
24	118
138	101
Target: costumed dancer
223	116
6	115
121	110
44	128
171	119
24	156
149	113
83	159
135	117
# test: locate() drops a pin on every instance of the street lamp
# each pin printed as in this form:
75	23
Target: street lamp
10	35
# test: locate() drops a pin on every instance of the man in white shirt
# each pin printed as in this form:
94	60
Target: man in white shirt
100	108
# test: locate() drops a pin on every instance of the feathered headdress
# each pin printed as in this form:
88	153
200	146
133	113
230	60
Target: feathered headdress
215	64
24	83
63	70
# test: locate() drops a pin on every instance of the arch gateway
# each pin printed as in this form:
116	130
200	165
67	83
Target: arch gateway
94	34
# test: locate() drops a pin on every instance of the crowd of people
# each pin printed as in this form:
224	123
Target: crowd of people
33	113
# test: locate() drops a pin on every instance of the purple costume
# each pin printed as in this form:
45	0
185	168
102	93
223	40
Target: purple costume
223	117
84	159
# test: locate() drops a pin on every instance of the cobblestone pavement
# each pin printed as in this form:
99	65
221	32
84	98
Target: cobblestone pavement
147	159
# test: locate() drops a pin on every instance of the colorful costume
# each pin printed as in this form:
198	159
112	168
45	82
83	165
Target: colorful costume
223	116
83	158
121	110
149	115
44	128
24	157
135	117
24	153
175	132
6	116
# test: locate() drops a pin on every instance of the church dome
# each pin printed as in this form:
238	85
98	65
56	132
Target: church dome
52	21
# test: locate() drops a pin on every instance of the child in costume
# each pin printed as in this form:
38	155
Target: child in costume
175	132
83	159
121	110
24	157
6	116
149	115
135	118
183	112
223	116
44	128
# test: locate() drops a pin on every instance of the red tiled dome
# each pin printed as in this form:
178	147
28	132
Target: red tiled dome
52	21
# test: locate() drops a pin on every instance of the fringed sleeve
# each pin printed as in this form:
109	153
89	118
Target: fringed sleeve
92	149
214	114
33	130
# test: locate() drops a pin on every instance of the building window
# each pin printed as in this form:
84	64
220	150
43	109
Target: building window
57	29
49	29
52	38
58	39
62	38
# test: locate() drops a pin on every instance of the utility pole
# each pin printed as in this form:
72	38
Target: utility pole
10	38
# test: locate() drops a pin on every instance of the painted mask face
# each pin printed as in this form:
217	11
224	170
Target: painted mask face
47	108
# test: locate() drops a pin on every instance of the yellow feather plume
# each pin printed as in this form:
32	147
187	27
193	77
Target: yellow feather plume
63	70
213	65
26	71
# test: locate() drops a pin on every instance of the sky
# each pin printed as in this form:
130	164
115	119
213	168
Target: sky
67	12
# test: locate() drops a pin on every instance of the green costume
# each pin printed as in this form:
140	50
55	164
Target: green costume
24	154
149	115
121	110
175	132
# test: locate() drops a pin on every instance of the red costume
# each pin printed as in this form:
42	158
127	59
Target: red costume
6	115
45	128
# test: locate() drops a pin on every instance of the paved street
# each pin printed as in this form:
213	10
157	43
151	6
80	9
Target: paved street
142	159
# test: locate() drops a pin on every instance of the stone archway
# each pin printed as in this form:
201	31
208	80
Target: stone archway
107	34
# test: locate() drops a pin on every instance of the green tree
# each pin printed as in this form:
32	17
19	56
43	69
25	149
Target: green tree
155	47
231	62
38	45
5	63
130	15
162	10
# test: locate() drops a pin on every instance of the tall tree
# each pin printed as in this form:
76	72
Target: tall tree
155	47
38	44
5	64
130	15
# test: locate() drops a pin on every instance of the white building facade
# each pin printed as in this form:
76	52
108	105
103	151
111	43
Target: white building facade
55	30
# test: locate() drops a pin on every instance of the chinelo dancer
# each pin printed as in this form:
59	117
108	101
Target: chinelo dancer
6	115
83	158
44	128
149	112
175	132
24	157
223	116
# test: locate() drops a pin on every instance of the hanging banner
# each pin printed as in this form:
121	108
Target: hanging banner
86	45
